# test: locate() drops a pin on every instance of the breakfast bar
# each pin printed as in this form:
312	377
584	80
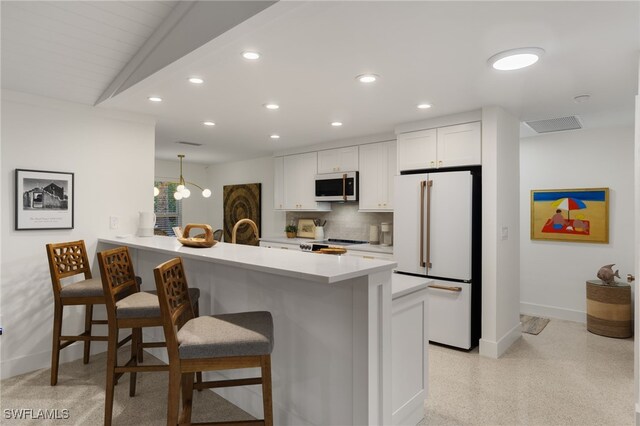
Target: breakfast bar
332	324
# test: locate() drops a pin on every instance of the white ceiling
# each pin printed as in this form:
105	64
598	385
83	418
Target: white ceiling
423	51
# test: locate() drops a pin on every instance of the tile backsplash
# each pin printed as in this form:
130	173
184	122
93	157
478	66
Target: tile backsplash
344	221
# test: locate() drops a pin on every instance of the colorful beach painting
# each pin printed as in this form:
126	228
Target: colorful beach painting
578	215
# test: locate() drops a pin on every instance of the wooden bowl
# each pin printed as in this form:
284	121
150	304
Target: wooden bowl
198	241
333	250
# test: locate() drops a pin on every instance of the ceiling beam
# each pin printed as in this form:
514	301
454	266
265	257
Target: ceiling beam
190	25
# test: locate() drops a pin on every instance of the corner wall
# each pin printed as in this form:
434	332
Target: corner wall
112	157
553	273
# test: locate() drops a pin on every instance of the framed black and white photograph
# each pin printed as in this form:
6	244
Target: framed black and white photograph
44	200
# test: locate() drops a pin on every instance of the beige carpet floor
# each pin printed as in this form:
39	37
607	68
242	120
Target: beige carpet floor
80	390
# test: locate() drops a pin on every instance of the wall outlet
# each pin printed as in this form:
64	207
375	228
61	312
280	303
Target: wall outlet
505	232
114	222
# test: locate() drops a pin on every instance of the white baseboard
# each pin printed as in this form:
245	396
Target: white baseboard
553	312
496	349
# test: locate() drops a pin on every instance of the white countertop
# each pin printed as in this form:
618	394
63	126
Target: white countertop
401	285
358	247
305	265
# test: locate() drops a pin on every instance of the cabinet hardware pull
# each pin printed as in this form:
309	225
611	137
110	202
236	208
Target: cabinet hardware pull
444	287
433	163
440	163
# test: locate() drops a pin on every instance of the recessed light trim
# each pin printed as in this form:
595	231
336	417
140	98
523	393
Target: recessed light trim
155	98
251	55
580	99
271	106
336	123
208	123
196	80
367	78
424	106
515	59
274	136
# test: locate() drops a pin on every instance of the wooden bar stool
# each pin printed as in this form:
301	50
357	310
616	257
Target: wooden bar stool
67	260
127	307
218	342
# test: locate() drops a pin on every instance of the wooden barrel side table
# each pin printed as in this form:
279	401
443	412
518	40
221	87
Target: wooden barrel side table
609	309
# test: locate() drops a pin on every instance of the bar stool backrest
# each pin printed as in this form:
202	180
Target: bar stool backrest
175	304
65	260
118	277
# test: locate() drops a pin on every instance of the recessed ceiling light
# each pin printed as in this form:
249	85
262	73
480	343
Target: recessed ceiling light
336	123
196	80
155	99
275	136
367	78
208	123
515	59
580	99
424	106
271	106
250	55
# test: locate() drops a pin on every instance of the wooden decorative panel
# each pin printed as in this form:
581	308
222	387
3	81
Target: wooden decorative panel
240	202
69	259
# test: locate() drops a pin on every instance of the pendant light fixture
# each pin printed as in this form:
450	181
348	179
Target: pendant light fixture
182	191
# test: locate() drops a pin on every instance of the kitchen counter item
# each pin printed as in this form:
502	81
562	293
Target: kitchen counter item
333	250
197	242
374	235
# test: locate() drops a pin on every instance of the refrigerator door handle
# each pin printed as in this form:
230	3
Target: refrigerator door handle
429	186
423	185
444	287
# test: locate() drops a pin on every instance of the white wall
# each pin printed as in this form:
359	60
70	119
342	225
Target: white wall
553	274
500	210
259	170
196	208
112	156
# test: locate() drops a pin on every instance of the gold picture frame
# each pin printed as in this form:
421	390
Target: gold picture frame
306	228
570	215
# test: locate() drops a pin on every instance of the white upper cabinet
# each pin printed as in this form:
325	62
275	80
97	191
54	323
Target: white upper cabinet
450	146
377	168
278	183
417	150
338	160
459	145
299	172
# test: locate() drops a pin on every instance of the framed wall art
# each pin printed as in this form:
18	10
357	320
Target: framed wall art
576	215
44	200
242	202
306	228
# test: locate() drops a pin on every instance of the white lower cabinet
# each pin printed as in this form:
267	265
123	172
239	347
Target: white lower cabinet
409	350
369	254
450	313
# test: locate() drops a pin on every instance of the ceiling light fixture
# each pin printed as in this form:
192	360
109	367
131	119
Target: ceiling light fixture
336	123
275	136
181	190
155	98
515	59
196	80
367	78
424	106
208	123
252	56
271	106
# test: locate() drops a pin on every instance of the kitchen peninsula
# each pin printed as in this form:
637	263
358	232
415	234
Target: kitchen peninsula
331	362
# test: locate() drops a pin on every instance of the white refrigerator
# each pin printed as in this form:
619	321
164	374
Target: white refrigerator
436	233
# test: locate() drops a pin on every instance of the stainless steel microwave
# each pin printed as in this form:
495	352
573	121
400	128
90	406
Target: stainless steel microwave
337	187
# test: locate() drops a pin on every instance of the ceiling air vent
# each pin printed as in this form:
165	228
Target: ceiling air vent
555	124
189	143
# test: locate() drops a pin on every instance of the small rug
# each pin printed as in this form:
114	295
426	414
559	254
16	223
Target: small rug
533	325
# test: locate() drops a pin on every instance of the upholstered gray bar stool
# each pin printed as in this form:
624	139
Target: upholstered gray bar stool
67	260
209	343
127	307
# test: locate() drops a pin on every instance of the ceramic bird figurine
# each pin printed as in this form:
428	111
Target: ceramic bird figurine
607	275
